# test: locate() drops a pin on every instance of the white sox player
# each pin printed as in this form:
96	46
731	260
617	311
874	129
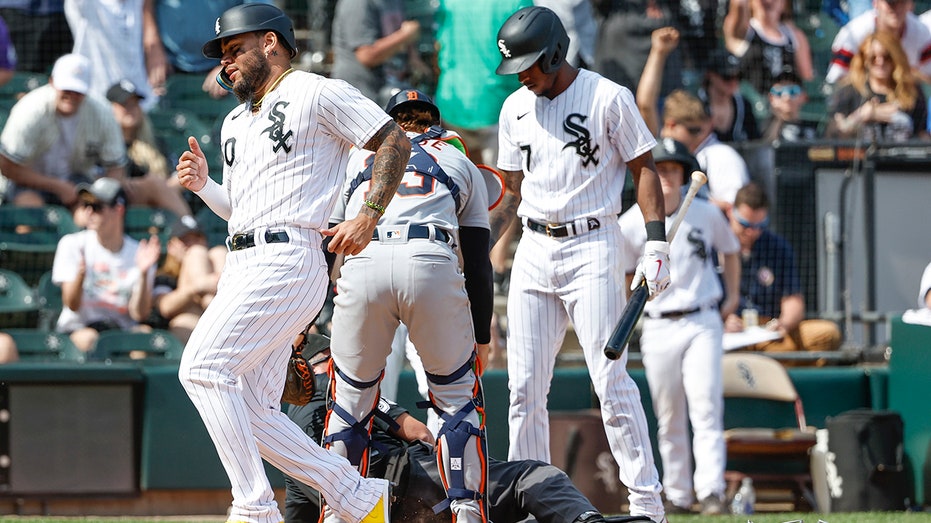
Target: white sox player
410	273
284	149
681	340
565	141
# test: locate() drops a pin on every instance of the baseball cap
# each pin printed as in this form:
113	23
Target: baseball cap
105	191
72	72
122	91
185	225
724	63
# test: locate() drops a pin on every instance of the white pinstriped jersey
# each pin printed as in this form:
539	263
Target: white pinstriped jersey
694	279
295	149
916	42
421	199
573	149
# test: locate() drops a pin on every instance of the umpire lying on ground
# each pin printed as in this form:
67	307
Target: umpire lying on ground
404	455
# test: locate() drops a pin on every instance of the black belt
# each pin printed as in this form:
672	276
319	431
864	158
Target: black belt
246	240
561	230
673	315
420	232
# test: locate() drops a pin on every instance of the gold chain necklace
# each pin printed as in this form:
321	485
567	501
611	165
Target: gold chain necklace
257	105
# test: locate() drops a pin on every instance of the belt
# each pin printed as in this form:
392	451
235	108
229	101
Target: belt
419	232
246	240
562	230
674	315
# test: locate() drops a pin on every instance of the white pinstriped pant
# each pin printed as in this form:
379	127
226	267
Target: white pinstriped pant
233	369
553	281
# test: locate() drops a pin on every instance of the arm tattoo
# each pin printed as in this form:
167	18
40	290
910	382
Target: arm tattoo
392	151
502	216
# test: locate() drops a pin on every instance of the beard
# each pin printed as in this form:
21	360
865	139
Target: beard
254	72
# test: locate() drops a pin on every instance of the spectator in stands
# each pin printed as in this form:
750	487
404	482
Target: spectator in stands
39	32
924	289
629	26
731	114
105	276
786	98
761	35
890	16
373	46
187	280
57	136
122	39
879	99
769	281
7	54
686	119
182	31
148	171
578	18
469	94
8	352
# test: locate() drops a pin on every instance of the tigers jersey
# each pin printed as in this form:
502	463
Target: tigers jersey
422	198
321	118
573	149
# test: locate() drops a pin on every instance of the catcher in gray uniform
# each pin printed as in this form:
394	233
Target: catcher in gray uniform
411	273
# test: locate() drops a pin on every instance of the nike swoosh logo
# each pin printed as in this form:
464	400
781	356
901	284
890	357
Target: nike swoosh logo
659	266
522	115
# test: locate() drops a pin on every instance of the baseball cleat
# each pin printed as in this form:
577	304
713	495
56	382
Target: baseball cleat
382	511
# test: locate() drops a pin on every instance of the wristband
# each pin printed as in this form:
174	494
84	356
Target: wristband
380	209
656	231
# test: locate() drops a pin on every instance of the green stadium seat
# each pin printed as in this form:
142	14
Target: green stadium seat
173	126
144	222
214	227
19	307
21	83
37	345
50	304
29	237
148	347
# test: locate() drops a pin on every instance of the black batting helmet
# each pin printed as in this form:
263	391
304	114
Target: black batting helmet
669	150
412	98
247	18
532	34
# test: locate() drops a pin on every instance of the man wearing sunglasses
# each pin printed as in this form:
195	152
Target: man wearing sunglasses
105	276
769	282
686	119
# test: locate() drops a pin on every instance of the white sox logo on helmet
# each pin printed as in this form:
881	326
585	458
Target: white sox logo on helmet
217	26
503	48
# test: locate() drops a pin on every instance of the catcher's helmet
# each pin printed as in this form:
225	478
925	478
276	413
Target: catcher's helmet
669	150
532	34
247	18
411	97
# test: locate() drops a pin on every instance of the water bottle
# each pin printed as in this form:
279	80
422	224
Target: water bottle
745	498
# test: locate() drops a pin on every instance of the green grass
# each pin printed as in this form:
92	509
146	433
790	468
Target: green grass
807	517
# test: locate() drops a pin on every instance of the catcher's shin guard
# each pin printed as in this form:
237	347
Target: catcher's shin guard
354	435
461	446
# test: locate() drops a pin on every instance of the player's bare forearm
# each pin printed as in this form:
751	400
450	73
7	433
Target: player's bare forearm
502	216
392	151
731	285
649	190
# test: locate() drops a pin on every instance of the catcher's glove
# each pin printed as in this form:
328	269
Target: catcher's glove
300	384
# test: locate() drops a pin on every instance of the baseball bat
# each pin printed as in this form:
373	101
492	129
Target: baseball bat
638	298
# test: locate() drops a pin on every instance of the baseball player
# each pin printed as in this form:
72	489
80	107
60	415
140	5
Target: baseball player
682	334
284	149
410	273
566	139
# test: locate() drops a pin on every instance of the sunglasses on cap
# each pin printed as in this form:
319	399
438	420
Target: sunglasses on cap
746	224
791	90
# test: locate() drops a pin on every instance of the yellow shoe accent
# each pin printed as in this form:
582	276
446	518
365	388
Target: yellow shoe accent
381	512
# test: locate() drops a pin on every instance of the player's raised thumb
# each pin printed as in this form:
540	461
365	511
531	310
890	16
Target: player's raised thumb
195	147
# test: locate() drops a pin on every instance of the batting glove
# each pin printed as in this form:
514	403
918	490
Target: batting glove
654	266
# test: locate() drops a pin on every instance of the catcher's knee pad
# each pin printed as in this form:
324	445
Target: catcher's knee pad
454	439
357	436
